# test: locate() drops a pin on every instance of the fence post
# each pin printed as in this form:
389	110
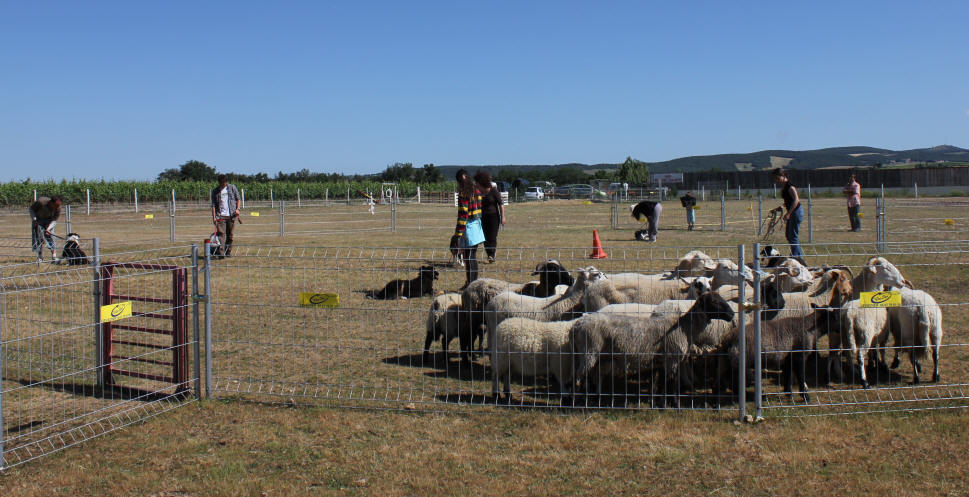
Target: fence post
282	218
195	317
418	195
35	195
173	201
393	215
758	402
272	200
67	214
2	428
171	218
242	194
208	321
326	198
703	193
878	223
738	191
810	217
741	338
916	190
348	195
760	218
98	346
88	201
723	211
884	223
299	199
136	200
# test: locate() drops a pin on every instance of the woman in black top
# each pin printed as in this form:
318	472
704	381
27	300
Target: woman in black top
492	213
795	214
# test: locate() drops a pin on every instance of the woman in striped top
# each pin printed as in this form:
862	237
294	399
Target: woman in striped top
469	208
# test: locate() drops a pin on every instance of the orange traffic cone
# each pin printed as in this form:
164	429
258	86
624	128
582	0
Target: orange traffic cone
597	252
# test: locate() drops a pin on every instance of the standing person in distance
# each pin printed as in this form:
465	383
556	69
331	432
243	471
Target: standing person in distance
492	212
689	203
469	209
650	210
853	193
43	216
225	209
794	215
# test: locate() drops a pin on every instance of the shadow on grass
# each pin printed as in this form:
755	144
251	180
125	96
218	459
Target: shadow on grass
446	366
113	392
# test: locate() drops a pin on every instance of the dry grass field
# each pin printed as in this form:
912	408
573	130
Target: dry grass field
431	427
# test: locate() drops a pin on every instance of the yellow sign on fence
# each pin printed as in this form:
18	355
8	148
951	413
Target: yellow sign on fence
881	299
116	311
254	214
949	222
149	216
313	299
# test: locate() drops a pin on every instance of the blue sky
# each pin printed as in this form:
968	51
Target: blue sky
123	90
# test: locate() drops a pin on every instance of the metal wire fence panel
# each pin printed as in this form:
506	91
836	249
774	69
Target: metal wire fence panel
363	346
931	318
64	380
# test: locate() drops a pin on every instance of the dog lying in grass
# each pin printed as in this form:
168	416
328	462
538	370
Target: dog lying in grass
422	285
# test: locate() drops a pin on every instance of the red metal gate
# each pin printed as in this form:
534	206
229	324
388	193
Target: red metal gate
141	343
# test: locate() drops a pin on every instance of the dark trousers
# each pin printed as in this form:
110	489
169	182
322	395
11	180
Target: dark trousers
490	225
223	229
471	264
853	217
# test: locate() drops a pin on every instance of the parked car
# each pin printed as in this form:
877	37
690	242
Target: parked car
534	193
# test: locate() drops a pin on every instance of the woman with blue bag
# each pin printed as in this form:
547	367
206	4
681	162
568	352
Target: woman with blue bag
469	230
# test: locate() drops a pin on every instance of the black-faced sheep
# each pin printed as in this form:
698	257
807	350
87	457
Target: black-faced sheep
786	343
551	273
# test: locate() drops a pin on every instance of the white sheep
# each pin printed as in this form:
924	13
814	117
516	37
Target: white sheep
694	263
442	321
637	288
855	330
727	272
554	308
917	326
530	348
619	344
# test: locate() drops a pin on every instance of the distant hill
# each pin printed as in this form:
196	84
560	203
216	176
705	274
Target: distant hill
767	159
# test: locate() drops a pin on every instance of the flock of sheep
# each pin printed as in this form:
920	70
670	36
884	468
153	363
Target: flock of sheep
585	331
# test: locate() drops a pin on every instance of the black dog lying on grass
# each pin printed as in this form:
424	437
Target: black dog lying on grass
422	285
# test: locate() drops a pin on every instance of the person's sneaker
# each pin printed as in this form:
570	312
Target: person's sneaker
40	260
491	260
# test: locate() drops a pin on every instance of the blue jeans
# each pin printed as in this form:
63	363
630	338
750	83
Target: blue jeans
793	227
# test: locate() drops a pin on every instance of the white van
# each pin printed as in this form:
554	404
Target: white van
534	193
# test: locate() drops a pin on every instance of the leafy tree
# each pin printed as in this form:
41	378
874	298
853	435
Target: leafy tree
432	174
192	170
398	172
634	172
